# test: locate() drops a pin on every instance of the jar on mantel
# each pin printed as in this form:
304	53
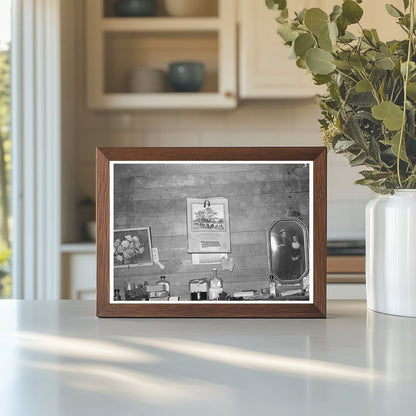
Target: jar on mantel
215	286
165	285
198	289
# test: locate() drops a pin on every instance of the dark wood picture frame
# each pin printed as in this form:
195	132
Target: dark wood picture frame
315	309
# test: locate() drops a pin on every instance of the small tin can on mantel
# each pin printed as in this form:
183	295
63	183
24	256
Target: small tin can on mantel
198	288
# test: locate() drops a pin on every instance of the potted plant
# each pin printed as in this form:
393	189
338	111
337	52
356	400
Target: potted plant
368	116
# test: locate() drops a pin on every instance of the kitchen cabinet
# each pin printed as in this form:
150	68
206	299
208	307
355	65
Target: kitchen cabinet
78	263
265	70
118	45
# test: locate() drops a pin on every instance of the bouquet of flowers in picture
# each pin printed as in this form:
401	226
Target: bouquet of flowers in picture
128	250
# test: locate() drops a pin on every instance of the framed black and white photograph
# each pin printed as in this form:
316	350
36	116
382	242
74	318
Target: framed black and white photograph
211	232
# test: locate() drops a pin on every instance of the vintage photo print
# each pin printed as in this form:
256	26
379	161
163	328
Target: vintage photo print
211	231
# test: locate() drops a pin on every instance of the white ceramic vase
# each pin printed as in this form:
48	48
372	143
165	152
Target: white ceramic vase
391	253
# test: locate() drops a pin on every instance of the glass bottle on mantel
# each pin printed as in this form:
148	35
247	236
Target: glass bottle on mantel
215	286
272	285
164	284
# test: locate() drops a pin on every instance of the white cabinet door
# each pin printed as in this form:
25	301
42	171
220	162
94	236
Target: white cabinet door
265	68
78	276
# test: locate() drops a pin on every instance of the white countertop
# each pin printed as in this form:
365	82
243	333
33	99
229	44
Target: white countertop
57	358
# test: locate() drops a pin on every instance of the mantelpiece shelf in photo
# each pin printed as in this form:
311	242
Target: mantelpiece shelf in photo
78	273
117	45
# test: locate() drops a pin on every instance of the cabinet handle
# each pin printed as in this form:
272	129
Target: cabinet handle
229	94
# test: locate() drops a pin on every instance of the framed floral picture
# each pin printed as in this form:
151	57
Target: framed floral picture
132	247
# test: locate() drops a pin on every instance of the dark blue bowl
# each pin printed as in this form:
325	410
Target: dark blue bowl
135	8
186	76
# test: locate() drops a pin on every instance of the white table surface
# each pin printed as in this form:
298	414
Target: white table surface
57	358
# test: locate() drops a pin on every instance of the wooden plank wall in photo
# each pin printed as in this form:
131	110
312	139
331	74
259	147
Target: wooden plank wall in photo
154	195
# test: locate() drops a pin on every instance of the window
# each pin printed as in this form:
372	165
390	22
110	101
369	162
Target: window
5	147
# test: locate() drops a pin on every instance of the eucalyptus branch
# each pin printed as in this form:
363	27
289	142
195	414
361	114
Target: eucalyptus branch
346	75
369	40
392	91
404	28
373	88
398	95
406	80
385	94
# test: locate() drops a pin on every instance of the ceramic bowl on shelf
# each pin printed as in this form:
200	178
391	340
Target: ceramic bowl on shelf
191	8
147	81
135	8
186	76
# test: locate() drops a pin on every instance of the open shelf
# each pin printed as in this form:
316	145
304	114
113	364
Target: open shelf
127	51
116	46
210	9
167	100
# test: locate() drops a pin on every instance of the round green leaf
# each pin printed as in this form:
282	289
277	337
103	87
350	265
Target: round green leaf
384	62
333	32
328	38
358	61
351	11
303	43
336	12
276	4
411	90
391	114
394	144
287	33
301	63
319	61
363	86
324	41
342	25
301	15
316	20
344	65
